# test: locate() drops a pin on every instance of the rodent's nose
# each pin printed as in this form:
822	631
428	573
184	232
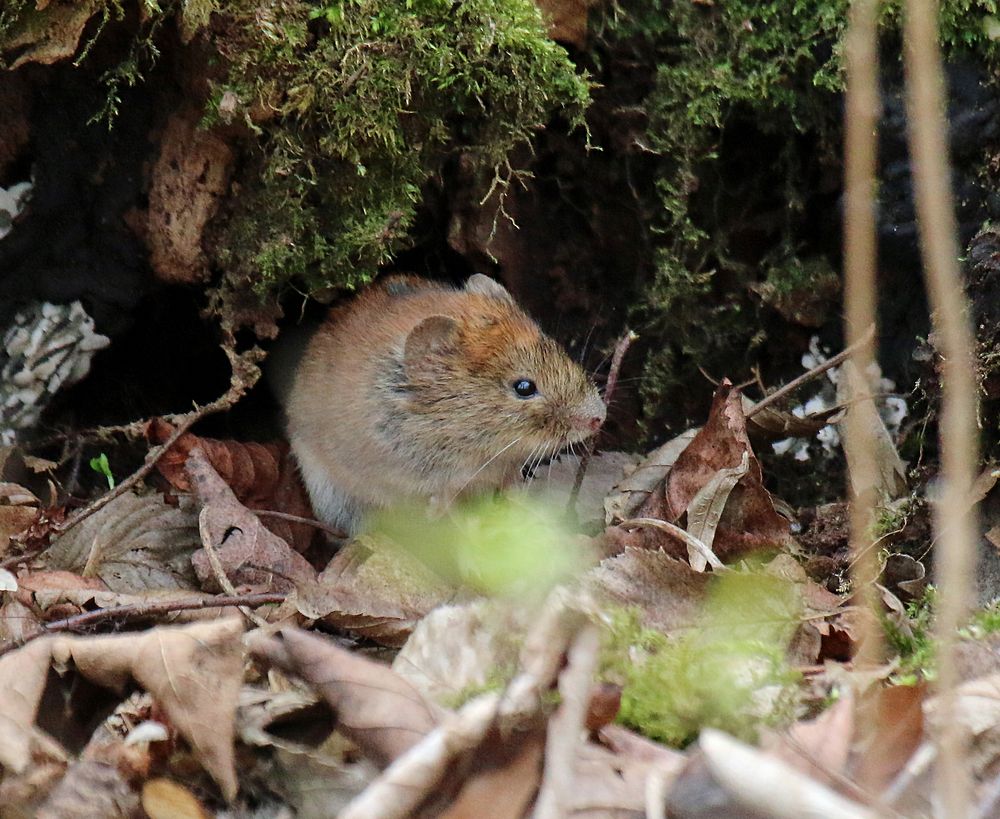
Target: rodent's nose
591	423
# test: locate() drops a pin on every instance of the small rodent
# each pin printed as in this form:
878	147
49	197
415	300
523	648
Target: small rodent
420	392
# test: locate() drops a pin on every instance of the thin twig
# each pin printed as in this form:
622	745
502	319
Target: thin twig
244	375
689	539
617	358
609	392
137	611
955	520
860	298
795	383
335	533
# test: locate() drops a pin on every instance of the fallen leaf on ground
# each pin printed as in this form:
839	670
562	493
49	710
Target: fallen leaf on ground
746	522
633	490
817	747
376	708
749	521
133	543
458	649
772	423
164	799
667	591
890	477
19	508
91	789
263	477
890	731
194	673
250	554
374	590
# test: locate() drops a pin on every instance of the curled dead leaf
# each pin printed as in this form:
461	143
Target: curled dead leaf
261	476
194	672
249	553
376	708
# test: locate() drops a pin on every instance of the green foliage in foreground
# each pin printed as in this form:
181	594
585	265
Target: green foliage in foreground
356	105
729	672
495	545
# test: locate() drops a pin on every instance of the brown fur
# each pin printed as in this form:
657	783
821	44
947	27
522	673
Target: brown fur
406	394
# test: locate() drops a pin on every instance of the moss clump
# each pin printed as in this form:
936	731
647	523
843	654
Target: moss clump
728	672
356	104
744	111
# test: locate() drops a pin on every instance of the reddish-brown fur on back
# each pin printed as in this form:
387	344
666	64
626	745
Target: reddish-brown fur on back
408	393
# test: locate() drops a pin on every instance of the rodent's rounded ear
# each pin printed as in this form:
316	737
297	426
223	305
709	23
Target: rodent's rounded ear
434	333
485	286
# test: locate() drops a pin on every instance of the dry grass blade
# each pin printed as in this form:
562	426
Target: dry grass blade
955	521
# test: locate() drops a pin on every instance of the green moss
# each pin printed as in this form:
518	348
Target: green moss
915	645
356	105
743	107
728	672
10	16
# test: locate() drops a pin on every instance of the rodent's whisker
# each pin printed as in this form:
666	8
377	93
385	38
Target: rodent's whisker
478	471
555	448
527	470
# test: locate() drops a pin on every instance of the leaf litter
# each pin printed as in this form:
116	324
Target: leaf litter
529	696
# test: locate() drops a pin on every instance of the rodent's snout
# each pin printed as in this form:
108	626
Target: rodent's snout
591	416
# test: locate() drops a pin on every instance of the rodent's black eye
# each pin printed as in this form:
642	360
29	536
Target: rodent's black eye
525	388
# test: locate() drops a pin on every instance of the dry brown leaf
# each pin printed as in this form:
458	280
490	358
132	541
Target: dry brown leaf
890	482
460	648
772	424
892	729
91	789
165	799
194	673
23	793
667	591
19	509
261	476
250	553
376	708
22	681
58	594
319	786
818	747
706	508
374	590
632	491
610	785
977	707
749	522
133	543
507	780
18	622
